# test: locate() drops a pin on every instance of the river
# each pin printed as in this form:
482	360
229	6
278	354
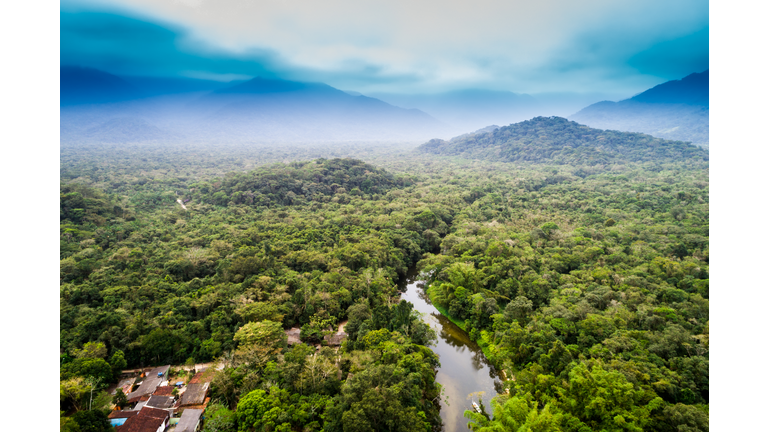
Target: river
463	370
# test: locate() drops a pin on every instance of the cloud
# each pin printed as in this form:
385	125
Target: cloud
129	46
673	59
401	45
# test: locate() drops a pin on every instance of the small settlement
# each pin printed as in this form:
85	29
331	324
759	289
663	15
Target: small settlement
157	405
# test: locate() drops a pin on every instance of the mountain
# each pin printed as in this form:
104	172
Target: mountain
677	109
155	86
260	109
468	109
691	90
557	140
80	85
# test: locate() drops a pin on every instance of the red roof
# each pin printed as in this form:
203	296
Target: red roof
122	414
141	424
154	413
164	391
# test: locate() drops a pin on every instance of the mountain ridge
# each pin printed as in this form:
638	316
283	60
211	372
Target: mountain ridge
260	109
676	110
558	140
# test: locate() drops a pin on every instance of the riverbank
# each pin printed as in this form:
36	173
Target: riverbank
462	325
464	373
430	293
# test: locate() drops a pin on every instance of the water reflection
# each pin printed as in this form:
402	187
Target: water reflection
463	367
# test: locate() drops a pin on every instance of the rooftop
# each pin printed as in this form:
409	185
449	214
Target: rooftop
150	383
121	414
157	401
293	335
194	394
164	390
141	424
189	419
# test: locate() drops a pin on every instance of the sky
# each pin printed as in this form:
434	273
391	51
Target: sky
396	46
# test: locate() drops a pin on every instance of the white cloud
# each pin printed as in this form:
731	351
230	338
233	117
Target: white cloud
500	44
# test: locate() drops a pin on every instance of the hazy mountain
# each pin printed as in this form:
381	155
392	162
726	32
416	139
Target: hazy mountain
691	90
468	109
557	140
256	110
123	129
677	109
86	86
155	86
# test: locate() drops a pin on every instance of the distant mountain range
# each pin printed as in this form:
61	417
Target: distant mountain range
468	109
97	106
100	107
84	85
677	109
559	141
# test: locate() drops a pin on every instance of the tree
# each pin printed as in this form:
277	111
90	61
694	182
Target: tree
518	309
118	363
88	367
92	350
92	421
74	390
219	418
258	342
67	424
515	414
259	311
120	399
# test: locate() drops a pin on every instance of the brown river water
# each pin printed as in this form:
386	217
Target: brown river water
463	370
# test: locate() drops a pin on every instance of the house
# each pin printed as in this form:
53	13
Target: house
125	384
146	420
117	418
293	335
165	390
161	402
195	394
189	421
150	383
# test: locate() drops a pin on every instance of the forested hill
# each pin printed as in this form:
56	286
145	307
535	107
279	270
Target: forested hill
297	182
557	140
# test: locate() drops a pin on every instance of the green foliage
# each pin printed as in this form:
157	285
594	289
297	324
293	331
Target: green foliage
92	421
120	400
88	368
219	418
586	278
278	409
559	141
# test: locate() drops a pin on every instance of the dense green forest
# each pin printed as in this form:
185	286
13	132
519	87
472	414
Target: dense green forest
556	140
582	273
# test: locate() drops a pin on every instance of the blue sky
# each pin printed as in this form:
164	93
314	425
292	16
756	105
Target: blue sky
404	46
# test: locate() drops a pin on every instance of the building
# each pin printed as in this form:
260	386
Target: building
194	394
146	420
162	402
151	382
117	418
293	335
189	421
165	390
125	384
